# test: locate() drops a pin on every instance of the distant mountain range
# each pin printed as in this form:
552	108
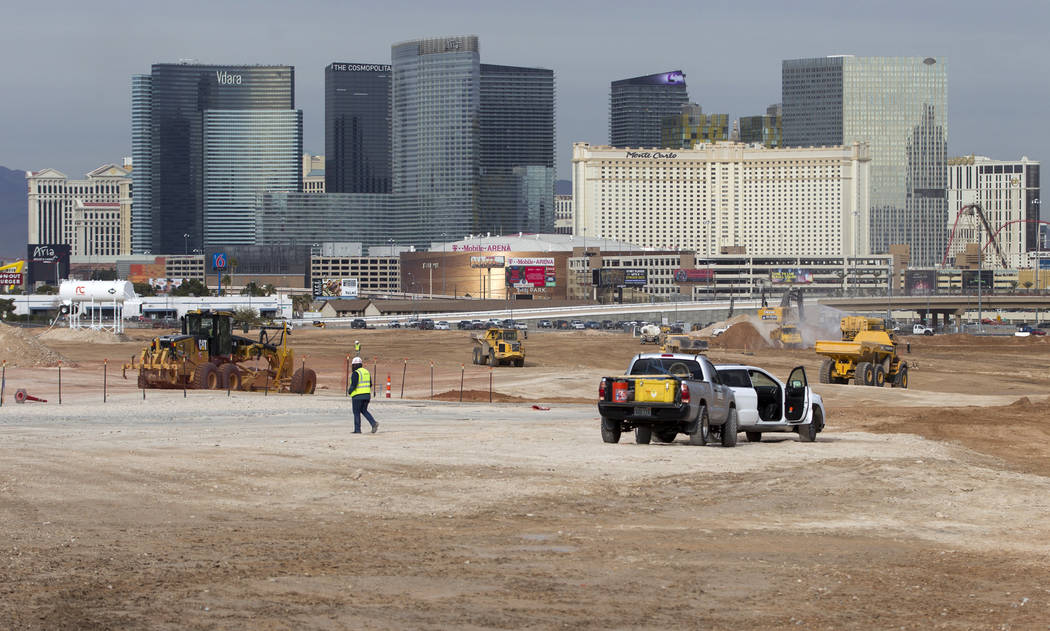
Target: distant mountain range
14	222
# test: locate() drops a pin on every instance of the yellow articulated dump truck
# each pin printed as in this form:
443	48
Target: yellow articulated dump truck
866	354
206	355
499	346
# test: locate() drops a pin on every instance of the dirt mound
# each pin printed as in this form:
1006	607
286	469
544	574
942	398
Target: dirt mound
22	349
710	330
62	334
482	396
742	335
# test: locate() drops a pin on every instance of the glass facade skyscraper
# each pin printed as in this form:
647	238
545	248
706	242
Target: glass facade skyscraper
516	146
434	123
764	130
899	106
247	152
638	105
169	109
357	128
691	126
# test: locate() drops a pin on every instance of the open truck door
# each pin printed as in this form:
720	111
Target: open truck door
796	396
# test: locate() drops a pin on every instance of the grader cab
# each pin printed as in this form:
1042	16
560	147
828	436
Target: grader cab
206	355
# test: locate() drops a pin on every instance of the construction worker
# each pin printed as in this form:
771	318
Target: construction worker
360	392
357	347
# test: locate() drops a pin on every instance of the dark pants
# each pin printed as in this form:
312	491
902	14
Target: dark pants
360	404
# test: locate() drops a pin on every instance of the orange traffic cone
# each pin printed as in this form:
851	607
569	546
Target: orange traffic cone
388	385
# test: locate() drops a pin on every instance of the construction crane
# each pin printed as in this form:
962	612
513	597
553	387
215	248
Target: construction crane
970	210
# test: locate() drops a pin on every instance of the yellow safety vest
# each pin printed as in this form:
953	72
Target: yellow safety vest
364	382
357	347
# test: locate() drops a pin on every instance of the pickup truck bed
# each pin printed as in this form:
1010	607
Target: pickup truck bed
685	396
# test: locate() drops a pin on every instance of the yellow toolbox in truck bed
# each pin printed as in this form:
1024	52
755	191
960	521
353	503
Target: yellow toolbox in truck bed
655	390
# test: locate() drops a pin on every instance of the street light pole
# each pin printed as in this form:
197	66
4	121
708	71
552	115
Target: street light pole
185	243
444	263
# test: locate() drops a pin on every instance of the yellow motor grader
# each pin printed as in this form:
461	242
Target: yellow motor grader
207	356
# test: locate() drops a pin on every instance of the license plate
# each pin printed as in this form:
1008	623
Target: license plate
643	411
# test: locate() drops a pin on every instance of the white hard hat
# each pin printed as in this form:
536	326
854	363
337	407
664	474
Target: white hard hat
356	360
357	341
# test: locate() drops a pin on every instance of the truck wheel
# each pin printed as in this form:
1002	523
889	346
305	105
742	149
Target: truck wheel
643	435
864	374
902	377
610	430
666	435
730	429
519	362
229	377
205	377
753	437
703	429
304	381
880	376
826	367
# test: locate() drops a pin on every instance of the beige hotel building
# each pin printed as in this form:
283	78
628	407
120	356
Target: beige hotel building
720	197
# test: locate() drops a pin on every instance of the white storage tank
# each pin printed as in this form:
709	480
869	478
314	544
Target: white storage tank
96	290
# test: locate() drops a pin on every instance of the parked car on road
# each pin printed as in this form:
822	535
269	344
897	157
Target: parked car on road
578	325
546	324
766	404
441	325
592	324
463	325
1024	331
921	329
358	323
562	324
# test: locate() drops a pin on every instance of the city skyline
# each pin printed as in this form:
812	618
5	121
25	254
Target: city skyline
57	127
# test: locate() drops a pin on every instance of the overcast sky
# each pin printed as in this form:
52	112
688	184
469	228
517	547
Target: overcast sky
67	66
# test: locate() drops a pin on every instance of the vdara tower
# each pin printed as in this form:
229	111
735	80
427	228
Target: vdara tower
206	140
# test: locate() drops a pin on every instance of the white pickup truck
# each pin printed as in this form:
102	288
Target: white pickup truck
921	329
766	404
666	394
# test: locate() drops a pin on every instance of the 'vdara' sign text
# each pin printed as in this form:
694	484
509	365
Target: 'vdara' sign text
225	78
655	155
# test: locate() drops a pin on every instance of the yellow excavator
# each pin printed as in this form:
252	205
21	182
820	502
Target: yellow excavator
206	355
784	318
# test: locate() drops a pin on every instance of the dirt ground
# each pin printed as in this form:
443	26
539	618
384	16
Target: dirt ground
915	509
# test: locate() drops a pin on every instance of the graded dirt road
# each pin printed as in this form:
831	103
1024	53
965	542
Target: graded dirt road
917	509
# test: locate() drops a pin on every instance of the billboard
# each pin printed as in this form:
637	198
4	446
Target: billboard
920	282
791	276
970	279
694	275
530	273
11	278
486	262
1044	263
165	285
620	277
327	288
47	262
